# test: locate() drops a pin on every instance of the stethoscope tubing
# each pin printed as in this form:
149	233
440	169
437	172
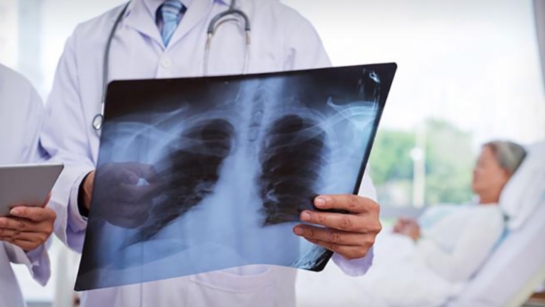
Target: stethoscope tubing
99	118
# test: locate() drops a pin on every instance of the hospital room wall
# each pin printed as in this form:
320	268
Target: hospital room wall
539	11
34	32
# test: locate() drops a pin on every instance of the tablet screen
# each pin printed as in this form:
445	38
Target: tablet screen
26	185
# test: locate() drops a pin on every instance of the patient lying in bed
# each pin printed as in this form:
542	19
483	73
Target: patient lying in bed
426	262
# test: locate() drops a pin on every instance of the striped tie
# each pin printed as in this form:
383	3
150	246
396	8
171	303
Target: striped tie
170	13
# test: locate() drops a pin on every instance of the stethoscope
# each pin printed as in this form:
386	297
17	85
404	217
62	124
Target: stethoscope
215	23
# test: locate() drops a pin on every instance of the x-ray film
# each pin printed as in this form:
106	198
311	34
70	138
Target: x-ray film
202	174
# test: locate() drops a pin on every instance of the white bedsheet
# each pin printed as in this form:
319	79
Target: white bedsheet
516	260
397	278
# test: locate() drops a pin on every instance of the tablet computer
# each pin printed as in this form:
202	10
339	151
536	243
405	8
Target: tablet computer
26	184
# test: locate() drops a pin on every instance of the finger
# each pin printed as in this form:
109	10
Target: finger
413	223
13	224
110	173
127	222
47	199
34	214
340	221
135	193
348	252
27	236
24	244
351	203
151	175
127	215
131	210
328	235
8	233
142	170
25	225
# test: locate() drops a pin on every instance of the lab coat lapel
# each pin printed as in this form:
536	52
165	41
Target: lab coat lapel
139	19
197	12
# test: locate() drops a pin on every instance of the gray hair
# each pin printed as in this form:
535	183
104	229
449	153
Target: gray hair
508	154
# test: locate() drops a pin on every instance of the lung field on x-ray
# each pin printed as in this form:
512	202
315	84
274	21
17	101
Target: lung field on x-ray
283	139
292	156
192	170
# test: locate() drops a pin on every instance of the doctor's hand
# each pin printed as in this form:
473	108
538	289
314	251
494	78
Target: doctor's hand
124	192
349	234
28	227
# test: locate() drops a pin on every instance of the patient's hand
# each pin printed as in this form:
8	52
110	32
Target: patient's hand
401	223
408	227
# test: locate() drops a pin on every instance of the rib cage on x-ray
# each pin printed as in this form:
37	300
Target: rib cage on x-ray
293	151
206	174
292	154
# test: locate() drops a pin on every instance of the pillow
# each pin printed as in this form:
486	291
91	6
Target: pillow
526	188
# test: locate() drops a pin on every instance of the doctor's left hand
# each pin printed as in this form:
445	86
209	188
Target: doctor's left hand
118	185
349	234
28	227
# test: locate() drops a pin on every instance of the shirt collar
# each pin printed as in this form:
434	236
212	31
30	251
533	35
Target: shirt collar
139	12
153	5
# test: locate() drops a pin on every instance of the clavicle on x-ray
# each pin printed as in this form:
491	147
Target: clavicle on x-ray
203	174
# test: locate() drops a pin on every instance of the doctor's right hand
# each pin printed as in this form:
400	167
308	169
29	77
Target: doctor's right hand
123	193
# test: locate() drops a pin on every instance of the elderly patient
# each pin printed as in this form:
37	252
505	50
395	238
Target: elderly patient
456	245
425	263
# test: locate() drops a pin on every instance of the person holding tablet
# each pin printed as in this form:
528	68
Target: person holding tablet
23	235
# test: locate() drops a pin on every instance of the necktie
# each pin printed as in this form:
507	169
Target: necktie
170	13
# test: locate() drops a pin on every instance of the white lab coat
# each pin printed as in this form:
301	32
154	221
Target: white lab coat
21	112
281	40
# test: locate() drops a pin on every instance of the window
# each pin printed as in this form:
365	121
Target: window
467	73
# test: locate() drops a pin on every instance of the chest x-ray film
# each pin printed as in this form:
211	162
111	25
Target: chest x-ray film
202	174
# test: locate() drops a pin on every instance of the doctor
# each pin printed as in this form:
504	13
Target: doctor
21	111
167	39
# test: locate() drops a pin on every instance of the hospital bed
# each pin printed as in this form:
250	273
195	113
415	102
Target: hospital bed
510	275
517	266
513	272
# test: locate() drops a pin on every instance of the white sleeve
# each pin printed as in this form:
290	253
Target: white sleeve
303	49
37	261
33	123
475	244
64	139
